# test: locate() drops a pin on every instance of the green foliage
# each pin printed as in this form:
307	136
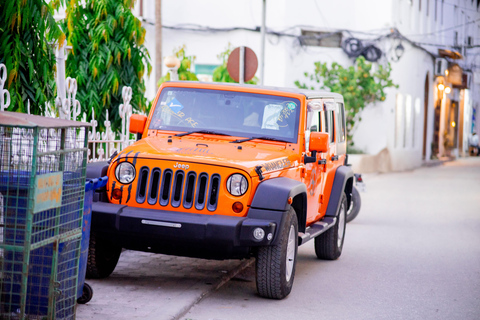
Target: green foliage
358	84
27	26
183	71
220	74
108	54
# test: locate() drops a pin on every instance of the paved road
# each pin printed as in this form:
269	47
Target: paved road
155	287
412	253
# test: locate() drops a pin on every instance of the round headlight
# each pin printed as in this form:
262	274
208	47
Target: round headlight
237	184
125	172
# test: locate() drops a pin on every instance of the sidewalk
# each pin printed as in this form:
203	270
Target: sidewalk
155	286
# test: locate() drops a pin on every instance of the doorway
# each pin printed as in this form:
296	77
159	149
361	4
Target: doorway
425	116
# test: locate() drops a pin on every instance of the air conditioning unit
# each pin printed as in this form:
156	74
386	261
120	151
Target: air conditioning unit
440	66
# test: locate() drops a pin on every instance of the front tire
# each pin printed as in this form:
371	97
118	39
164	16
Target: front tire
102	257
275	265
329	245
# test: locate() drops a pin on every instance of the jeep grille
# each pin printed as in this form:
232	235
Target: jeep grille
177	188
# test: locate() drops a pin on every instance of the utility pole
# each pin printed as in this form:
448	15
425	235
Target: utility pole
158	40
262	45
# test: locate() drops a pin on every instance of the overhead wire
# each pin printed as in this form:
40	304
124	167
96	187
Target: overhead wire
376	35
443	30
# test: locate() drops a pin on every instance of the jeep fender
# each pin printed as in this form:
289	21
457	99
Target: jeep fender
343	182
271	201
97	169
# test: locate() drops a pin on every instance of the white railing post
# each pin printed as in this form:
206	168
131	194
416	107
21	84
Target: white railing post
4	94
125	111
93	136
108	137
73	102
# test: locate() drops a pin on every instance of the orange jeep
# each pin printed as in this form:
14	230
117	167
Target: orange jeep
225	171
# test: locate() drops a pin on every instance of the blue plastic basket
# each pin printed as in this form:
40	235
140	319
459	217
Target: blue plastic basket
90	186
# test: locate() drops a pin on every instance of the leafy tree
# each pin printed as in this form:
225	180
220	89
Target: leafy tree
107	54
220	74
359	85
26	28
183	71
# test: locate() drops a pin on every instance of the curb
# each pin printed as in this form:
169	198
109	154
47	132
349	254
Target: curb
436	162
242	266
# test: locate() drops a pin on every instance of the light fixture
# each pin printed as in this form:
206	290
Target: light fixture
237	184
446	72
171	62
448	90
258	233
453	124
440	86
399	50
125	172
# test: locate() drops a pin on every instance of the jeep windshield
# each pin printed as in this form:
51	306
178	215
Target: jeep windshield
231	113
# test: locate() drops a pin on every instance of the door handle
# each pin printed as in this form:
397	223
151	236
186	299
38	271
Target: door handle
334	158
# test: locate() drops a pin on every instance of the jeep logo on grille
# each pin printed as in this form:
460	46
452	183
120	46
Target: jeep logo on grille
181	166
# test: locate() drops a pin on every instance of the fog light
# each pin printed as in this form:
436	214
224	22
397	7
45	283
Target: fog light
237	207
269	236
117	194
258	233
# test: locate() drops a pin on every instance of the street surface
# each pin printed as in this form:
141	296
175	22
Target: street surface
412	253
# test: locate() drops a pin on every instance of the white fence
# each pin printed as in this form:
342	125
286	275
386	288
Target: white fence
101	144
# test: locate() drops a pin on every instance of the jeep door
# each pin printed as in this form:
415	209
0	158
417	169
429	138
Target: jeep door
334	124
314	172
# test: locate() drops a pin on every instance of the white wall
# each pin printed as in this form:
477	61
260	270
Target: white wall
282	15
287	61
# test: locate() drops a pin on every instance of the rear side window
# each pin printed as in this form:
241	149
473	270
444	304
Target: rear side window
341	135
329	127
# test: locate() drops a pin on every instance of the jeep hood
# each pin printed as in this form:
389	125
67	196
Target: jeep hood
246	156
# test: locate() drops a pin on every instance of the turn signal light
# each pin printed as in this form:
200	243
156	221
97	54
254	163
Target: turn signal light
117	194
237	207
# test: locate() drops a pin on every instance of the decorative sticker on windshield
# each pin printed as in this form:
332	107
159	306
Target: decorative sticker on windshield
291	105
172	114
270	116
175	105
283	118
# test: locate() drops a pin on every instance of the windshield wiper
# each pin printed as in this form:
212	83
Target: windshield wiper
261	138
200	131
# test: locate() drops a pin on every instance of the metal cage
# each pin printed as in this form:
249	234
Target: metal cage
42	184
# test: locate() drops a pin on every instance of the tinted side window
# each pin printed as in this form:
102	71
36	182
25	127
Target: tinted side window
329	125
315	125
341	135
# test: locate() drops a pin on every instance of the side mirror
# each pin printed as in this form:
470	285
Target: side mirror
319	141
137	123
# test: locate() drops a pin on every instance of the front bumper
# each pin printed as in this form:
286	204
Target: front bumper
186	234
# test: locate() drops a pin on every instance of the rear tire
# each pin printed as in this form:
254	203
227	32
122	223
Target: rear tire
329	245
102	257
275	265
355	205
